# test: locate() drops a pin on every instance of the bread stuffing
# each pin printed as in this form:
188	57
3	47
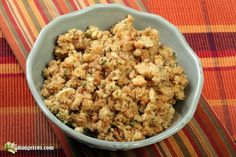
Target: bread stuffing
117	85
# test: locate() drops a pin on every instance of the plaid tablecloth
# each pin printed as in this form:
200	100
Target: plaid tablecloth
209	27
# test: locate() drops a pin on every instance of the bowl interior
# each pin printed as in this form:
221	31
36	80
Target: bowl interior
104	18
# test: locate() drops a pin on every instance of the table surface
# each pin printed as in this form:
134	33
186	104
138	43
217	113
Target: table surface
208	25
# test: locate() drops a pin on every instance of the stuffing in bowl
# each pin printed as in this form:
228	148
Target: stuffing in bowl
117	85
114	78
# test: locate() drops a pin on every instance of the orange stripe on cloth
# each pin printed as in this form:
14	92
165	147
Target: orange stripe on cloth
57	7
43	11
118	1
165	148
10	39
51	8
10	69
170	147
14	27
219	62
21	23
103	1
222	102
83	4
77	4
206	28
175	146
60	4
194	12
221	12
213	88
194	142
70	6
179	13
91	2
37	13
202	138
86	3
187	143
27	19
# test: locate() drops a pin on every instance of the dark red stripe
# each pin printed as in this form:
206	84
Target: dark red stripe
16	27
58	7
40	9
219	68
172	151
6	60
141	152
5	49
195	147
73	5
156	151
222	41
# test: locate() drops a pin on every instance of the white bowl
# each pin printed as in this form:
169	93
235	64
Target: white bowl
105	16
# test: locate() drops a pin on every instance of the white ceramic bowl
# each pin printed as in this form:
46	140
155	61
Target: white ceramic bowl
105	16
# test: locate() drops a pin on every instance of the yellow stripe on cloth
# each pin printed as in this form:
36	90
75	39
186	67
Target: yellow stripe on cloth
91	2
51	8
219	62
20	24
175	146
83	4
222	102
202	138
10	69
28	18
187	143
119	1
103	1
165	148
206	29
37	13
